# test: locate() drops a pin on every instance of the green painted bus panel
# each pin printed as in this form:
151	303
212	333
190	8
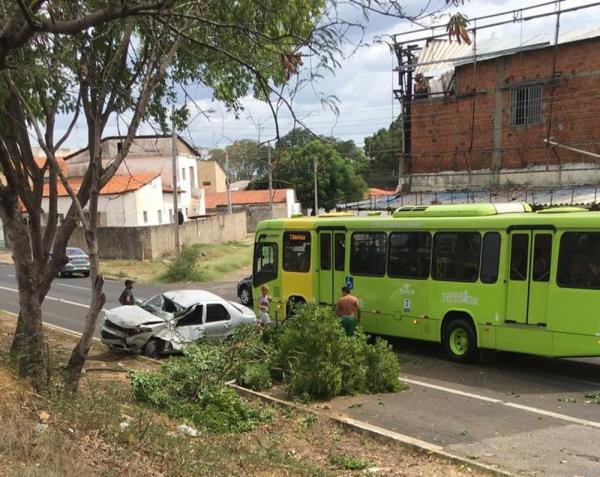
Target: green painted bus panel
524	339
574	311
565	344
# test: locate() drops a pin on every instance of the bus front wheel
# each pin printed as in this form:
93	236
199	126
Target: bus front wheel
460	341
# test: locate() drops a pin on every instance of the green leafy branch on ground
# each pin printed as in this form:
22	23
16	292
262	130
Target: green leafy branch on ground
311	352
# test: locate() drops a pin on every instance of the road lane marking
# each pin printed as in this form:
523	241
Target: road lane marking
73	286
514	405
51	298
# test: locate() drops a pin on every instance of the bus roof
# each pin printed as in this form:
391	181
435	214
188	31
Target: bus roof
460	216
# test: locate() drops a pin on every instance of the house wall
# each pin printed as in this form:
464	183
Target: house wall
150	155
153	242
441	128
211	177
122	210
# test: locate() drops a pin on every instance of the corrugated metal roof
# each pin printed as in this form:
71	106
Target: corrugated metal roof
440	56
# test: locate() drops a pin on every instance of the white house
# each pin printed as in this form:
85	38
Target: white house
125	201
153	154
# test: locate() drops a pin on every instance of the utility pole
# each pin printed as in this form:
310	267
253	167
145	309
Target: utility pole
228	182
175	167
270	180
316	190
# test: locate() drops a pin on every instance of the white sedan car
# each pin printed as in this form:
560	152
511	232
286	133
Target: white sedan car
169	321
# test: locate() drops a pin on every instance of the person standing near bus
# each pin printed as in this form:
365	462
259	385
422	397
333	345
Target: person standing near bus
348	309
263	303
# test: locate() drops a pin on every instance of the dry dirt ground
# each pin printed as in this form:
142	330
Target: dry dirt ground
56	436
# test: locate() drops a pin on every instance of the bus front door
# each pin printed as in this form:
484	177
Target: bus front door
528	277
332	246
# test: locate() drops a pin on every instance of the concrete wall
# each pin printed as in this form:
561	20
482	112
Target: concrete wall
149	243
443	140
535	177
257	212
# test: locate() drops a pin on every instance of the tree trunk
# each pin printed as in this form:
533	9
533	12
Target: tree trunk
81	350
29	349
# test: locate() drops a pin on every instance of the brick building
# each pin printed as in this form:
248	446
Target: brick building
488	120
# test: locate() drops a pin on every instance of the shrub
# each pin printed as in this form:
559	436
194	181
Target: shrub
254	376
184	268
192	387
382	367
319	361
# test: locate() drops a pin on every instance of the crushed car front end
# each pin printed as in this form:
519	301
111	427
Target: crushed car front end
130	332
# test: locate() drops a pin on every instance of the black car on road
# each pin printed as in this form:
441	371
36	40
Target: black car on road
244	291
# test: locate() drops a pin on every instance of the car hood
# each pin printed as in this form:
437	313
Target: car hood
131	316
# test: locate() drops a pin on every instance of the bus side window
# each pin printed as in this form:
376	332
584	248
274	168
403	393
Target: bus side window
579	260
265	263
368	253
490	257
519	251
456	256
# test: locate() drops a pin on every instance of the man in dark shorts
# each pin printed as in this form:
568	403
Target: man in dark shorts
348	309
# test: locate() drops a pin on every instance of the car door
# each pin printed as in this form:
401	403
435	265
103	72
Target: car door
217	321
190	327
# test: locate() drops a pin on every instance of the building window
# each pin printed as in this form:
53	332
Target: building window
409	255
192	178
206	183
183	173
526	105
160	216
456	256
296	251
367	254
145	217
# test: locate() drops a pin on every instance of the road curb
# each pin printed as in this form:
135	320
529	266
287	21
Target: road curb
381	433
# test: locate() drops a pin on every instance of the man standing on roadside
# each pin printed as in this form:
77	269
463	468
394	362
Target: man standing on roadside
126	297
348	309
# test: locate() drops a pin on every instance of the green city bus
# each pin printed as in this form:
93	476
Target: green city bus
472	276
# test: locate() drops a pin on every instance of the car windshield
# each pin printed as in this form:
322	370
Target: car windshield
162	307
74	252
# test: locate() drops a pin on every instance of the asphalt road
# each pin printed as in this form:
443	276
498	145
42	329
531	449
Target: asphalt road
526	414
67	302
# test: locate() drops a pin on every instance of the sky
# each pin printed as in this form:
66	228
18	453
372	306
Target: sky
364	82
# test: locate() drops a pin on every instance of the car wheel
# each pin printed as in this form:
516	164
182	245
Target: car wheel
460	341
153	348
245	296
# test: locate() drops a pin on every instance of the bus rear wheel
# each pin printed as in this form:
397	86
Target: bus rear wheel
460	341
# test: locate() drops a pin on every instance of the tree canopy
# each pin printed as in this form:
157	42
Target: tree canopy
337	177
384	149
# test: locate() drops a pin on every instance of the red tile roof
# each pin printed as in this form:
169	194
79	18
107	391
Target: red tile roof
117	185
244	197
41	162
375	192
